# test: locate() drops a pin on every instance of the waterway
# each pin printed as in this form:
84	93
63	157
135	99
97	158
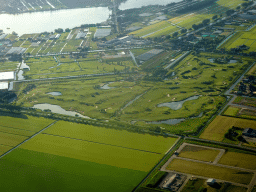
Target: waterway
37	22
130	4
58	109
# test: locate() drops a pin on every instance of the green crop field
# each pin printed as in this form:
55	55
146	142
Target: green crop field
232	111
35	171
96	159
16	131
239	160
4	148
27	123
111	137
8	66
199	153
10	139
210	171
220	125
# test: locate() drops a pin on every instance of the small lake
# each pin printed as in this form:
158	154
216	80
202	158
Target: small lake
174	121
177	104
37	22
58	109
106	86
231	61
55	93
130	4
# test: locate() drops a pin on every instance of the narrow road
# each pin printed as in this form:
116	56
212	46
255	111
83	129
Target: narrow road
221	153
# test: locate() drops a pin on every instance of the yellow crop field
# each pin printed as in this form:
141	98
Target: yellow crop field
220	125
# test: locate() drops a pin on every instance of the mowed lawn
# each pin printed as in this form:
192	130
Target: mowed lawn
242	160
120	138
210	171
199	153
220	125
24	170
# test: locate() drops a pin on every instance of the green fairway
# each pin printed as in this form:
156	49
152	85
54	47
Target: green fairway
239	160
113	137
210	171
199	153
39	172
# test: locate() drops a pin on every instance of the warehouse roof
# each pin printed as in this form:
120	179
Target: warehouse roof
148	55
4	85
16	50
102	33
6	75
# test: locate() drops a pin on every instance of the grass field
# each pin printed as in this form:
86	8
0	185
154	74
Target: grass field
199	153
111	137
210	171
220	125
239	160
232	111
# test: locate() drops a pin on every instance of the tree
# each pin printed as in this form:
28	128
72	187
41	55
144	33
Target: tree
183	30
67	30
175	34
59	30
214	17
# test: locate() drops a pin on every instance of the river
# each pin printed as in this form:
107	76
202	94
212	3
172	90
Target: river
37	22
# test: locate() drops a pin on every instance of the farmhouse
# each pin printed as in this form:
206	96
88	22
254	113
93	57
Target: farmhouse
249	132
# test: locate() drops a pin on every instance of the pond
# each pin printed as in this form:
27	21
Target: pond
37	22
231	61
106	86
57	109
54	93
174	121
177	104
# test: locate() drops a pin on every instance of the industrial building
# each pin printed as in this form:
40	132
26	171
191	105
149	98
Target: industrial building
16	51
148	55
4	85
100	33
249	132
7	76
81	35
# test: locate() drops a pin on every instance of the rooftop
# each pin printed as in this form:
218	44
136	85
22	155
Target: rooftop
6	76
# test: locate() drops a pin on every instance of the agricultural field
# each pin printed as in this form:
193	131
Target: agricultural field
199	184
251	102
246	37
236	159
21	128
232	111
199	153
210	171
111	137
220	125
103	163
8	66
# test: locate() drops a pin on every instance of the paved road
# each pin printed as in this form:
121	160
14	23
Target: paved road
221	153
